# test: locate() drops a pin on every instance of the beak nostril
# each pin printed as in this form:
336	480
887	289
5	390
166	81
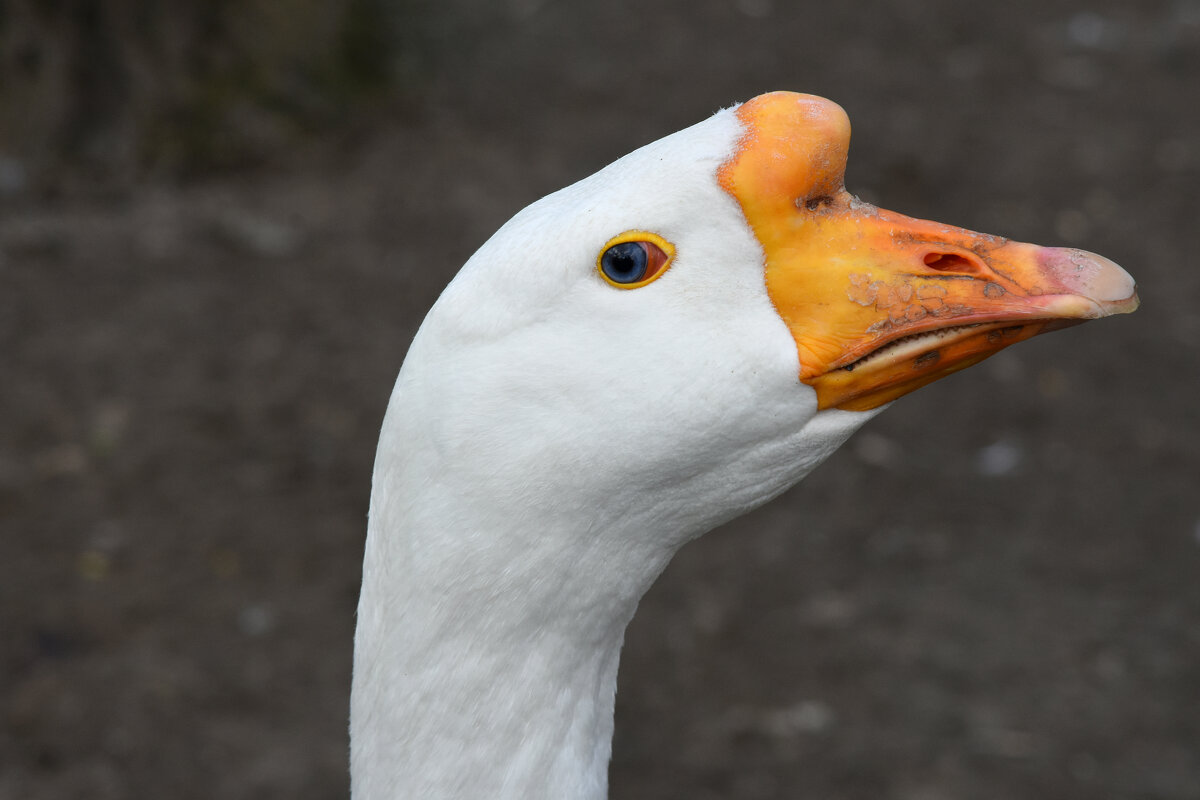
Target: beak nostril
949	262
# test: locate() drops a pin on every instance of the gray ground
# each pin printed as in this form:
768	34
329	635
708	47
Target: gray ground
991	592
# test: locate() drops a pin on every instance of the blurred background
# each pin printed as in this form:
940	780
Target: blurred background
221	223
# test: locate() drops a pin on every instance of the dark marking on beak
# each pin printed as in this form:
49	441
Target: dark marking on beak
927	359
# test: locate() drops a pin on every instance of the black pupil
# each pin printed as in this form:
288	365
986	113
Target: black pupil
624	262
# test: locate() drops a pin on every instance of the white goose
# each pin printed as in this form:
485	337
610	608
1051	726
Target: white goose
626	364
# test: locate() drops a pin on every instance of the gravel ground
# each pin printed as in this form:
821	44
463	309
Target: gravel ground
991	592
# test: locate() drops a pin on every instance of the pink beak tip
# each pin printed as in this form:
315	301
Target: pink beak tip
1093	276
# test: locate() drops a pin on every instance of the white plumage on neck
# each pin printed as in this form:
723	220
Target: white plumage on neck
550	443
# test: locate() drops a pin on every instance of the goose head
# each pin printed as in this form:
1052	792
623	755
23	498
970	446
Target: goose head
684	334
624	365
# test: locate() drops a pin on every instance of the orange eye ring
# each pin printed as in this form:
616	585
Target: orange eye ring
634	258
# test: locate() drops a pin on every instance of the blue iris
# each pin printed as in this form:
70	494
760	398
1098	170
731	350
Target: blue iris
625	262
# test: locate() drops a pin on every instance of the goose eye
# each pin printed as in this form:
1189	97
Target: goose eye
625	262
634	259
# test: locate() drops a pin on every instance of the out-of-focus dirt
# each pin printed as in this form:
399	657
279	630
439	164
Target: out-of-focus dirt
991	592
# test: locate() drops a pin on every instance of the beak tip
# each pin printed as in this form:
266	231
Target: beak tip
1093	276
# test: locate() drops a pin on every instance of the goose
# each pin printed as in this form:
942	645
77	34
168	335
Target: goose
626	364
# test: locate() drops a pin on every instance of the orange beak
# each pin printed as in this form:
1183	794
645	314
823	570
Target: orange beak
881	304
